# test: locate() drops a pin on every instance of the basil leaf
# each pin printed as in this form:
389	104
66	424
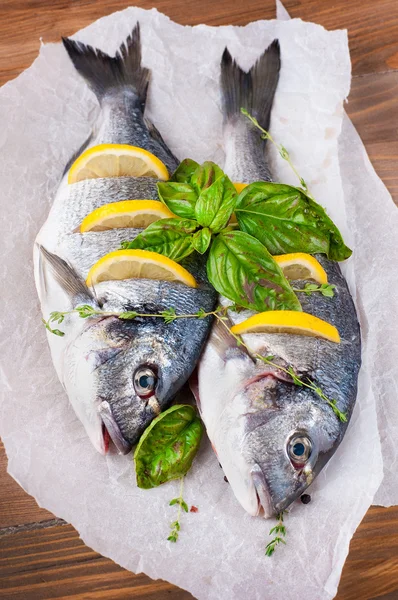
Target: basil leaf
184	171
168	446
201	240
242	269
215	204
204	176
180	198
170	237
285	220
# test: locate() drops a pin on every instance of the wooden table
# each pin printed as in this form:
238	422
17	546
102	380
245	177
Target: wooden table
42	557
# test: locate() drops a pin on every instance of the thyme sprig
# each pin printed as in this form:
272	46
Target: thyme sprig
170	315
297	380
280	533
281	149
182	505
326	289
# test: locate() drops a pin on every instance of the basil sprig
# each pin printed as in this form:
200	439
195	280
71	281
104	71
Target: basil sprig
168	446
242	269
273	219
170	237
286	220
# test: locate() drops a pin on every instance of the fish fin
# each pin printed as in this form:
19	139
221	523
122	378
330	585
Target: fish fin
253	90
77	154
157	136
104	73
224	342
66	277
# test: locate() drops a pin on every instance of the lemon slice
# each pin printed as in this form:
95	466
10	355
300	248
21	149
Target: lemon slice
130	264
127	213
301	266
240	186
288	321
116	160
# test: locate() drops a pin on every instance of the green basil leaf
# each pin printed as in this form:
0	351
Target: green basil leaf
204	176
242	269
180	198
285	220
168	446
184	171
216	204
170	237
201	240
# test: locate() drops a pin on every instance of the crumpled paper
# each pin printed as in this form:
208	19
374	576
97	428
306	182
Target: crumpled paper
45	114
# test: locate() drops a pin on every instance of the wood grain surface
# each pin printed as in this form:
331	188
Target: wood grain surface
41	557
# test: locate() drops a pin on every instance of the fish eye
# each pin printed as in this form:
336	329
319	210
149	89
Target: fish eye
299	449
144	381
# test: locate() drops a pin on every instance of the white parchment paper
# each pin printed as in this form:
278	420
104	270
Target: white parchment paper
45	114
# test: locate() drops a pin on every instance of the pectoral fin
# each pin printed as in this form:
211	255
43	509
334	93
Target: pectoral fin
66	277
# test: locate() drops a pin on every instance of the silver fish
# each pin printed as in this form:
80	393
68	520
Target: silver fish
118	374
271	436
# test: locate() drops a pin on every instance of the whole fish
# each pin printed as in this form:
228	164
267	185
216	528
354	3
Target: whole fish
273	437
118	374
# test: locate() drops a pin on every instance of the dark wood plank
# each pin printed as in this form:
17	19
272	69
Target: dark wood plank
373	108
371	570
373	28
54	563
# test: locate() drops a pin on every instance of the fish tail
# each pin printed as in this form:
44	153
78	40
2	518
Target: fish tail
104	73
253	90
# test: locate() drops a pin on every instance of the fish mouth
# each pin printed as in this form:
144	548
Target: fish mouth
111	430
265	504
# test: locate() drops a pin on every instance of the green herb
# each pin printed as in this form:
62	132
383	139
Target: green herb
170	237
241	268
180	198
216	204
85	311
175	525
184	171
205	176
51	330
285	220
279	532
281	149
201	240
168	446
326	289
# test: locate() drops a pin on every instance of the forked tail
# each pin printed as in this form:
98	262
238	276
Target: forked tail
104	73
253	90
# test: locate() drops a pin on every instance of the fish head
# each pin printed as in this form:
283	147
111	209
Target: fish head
288	440
120	374
271	437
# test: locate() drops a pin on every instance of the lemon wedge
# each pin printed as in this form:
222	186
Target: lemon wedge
127	213
116	160
288	321
301	266
129	264
240	186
